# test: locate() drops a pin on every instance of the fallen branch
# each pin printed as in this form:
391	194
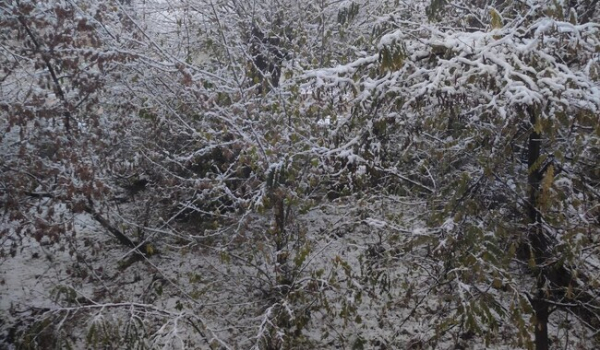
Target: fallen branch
120	236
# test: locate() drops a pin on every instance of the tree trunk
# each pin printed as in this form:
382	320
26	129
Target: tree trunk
537	241
535	177
542	311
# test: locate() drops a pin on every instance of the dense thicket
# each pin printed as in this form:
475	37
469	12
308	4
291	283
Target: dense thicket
292	175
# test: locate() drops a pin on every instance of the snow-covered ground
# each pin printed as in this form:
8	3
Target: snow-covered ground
356	285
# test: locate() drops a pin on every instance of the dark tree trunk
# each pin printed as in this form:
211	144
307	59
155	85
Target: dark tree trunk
542	311
553	281
538	243
535	177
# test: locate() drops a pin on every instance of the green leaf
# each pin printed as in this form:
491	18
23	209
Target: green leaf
496	19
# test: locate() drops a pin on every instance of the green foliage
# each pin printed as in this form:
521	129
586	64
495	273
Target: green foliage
147	114
496	19
43	334
64	294
462	136
556	11
434	9
391	58
347	14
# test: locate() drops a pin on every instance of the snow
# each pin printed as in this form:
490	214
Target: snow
370	266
